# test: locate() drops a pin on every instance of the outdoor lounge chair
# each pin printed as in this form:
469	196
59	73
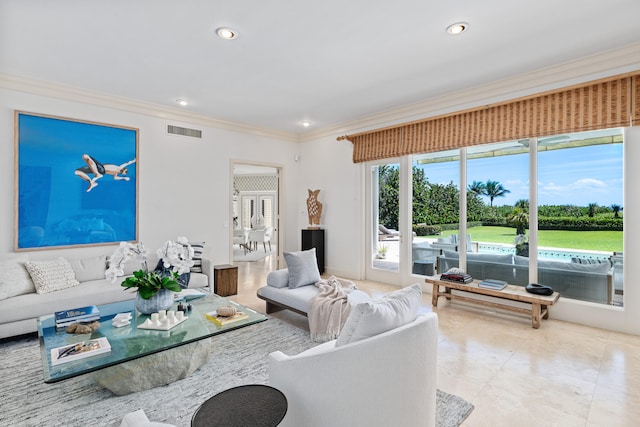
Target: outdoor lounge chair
385	233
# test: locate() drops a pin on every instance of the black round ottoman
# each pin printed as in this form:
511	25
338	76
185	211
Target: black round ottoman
252	405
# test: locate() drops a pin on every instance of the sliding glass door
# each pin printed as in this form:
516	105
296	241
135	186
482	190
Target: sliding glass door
435	209
388	237
580	215
547	210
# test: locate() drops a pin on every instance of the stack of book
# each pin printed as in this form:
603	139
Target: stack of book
494	284
460	278
77	315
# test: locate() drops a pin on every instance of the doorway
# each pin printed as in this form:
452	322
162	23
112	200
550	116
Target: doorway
255	218
387	195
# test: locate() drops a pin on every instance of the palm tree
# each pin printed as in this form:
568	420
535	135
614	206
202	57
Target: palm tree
616	210
592	207
519	219
476	187
493	189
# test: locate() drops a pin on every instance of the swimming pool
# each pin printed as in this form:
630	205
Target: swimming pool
556	254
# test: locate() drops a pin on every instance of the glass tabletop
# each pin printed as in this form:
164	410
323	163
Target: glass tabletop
130	342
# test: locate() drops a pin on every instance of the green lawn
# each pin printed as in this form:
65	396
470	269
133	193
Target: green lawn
609	241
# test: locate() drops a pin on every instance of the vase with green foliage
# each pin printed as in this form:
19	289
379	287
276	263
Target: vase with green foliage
155	291
521	242
382	252
155	288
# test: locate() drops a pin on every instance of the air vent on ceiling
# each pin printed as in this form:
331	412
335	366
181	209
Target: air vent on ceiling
177	130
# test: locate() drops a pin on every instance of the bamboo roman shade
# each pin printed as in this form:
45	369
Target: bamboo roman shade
607	103
635	98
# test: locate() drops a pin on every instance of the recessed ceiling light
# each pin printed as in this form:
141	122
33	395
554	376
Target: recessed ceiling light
182	102
226	33
305	123
457	28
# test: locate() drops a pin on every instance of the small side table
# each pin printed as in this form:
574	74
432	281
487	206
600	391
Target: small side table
225	278
252	405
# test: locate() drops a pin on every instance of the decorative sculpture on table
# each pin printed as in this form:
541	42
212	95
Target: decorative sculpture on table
314	208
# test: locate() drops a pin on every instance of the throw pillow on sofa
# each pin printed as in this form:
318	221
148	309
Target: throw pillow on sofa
183	279
52	275
278	278
474	256
376	316
14	279
602	268
86	269
198	249
303	268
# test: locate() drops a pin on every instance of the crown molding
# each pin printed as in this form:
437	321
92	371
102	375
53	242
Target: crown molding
600	65
593	67
101	99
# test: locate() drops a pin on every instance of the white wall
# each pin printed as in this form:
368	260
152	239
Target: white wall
326	164
184	183
185	190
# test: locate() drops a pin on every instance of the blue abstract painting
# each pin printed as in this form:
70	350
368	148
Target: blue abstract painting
76	182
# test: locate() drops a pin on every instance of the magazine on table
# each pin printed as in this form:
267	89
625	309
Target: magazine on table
71	352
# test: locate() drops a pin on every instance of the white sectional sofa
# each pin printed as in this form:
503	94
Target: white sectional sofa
21	305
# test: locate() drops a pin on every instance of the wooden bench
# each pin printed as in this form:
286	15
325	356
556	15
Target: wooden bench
539	303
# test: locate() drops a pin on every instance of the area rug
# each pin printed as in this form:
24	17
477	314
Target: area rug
238	357
255	255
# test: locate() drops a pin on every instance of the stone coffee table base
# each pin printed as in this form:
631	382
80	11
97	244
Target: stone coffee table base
154	370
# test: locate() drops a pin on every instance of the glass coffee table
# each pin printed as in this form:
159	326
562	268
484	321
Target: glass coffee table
130	342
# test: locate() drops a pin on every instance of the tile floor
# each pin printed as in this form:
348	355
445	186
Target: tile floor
562	374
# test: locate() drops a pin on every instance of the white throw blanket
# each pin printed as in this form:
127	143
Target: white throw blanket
328	311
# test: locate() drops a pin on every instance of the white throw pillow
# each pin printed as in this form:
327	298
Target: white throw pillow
376	316
14	279
303	268
602	268
86	269
52	275
132	265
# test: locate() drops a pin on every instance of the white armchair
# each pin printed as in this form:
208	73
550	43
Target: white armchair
261	236
241	237
386	380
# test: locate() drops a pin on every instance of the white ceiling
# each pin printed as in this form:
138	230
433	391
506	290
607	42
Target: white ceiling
330	62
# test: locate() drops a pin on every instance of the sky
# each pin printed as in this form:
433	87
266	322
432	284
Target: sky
575	176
